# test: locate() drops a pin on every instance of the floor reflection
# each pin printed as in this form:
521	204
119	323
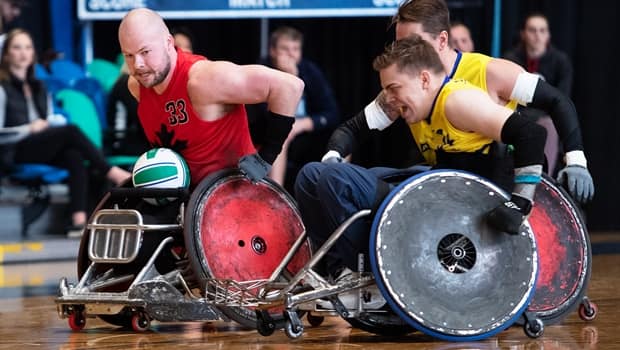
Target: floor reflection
28	280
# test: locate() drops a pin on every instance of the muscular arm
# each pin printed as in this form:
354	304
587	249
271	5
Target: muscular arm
346	138
474	111
562	112
378	114
220	82
502	76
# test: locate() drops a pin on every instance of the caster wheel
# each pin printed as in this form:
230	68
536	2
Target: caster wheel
534	328
265	328
293	327
140	322
77	321
293	331
315	321
588	310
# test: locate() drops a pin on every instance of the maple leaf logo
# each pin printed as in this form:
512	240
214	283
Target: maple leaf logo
166	139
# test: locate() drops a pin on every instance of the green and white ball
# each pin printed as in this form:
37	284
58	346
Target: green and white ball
160	168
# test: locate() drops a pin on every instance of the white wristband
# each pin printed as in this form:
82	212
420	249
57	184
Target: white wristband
523	91
331	154
576	158
376	117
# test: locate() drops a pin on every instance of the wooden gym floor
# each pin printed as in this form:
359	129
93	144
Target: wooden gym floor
28	320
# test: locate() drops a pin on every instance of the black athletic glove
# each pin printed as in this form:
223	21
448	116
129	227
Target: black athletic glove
508	216
254	167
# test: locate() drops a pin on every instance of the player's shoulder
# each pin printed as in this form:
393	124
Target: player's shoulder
461	91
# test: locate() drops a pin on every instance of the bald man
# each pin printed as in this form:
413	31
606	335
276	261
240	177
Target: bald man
196	106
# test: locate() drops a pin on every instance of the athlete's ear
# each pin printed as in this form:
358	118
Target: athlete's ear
443	40
170	41
425	78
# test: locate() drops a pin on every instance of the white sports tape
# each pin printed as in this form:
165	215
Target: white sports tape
523	91
331	154
376	117
576	158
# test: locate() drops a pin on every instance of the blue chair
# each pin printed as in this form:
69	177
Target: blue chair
83	113
93	89
66	70
40	72
104	71
35	177
54	85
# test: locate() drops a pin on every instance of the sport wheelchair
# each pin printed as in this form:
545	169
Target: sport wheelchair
237	250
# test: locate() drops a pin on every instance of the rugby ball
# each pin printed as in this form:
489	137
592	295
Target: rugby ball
160	168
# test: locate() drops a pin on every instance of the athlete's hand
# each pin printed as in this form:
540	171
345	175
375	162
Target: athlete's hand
254	167
509	216
578	182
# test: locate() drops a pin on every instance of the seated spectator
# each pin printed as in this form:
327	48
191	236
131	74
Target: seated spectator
183	39
317	113
460	37
535	53
9	11
29	137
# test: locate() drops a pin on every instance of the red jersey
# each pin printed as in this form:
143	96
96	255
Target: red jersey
170	121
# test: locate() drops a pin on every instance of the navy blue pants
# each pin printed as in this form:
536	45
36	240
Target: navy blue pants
328	194
65	147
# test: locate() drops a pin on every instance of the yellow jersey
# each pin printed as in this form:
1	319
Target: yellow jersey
436	133
472	67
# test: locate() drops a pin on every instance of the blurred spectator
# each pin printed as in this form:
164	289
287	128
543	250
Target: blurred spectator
460	37
9	11
28	136
125	135
535	53
183	39
317	112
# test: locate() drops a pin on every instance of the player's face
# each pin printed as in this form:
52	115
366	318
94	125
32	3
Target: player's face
407	29
148	60
408	92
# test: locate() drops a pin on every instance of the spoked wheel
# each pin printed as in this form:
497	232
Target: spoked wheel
564	253
239	230
440	267
118	277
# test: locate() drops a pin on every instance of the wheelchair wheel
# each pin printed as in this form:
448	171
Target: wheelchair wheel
440	267
118	277
239	230
564	253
